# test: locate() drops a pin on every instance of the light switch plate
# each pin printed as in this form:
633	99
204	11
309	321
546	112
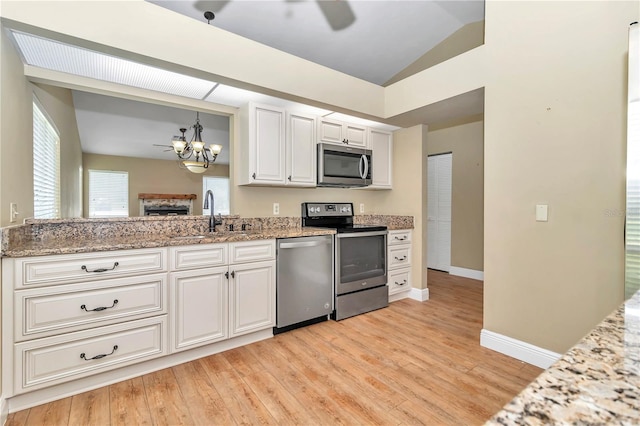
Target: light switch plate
542	212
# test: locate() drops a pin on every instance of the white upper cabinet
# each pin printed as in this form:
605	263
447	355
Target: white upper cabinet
277	148
262	155
381	144
341	133
301	150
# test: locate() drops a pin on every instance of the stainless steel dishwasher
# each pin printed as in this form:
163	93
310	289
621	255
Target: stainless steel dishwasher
304	281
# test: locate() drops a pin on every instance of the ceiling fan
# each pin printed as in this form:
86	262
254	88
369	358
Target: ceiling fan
169	147
338	13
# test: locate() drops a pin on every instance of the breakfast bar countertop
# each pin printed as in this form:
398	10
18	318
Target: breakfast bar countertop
595	382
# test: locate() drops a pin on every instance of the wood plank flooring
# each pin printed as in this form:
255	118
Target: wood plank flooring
412	363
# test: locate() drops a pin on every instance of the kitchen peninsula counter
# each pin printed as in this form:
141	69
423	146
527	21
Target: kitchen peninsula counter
595	382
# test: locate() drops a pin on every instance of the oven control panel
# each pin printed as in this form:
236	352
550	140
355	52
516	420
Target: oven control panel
327	209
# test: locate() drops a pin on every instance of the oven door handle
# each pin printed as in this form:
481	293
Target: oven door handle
362	234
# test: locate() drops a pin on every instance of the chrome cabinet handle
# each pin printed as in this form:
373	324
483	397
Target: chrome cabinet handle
115	264
400	259
402	283
83	356
100	308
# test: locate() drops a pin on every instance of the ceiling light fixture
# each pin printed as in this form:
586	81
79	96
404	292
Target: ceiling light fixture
185	150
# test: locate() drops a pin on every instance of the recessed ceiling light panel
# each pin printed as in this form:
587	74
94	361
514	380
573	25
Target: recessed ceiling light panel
56	56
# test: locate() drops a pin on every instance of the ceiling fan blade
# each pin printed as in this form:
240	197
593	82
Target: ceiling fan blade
169	147
338	13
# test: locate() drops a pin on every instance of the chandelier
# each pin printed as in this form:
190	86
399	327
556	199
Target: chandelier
194	155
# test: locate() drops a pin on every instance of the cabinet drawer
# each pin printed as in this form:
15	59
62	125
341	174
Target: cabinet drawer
399	256
45	270
399	280
192	257
53	360
252	251
46	311
400	237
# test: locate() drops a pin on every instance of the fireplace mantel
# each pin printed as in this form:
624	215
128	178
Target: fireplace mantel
146	196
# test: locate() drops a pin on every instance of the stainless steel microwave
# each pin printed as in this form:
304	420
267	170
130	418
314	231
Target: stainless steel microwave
343	166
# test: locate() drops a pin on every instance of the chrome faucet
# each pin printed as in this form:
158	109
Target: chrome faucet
212	216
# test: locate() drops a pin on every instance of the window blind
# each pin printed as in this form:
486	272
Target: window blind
220	188
108	193
632	225
46	166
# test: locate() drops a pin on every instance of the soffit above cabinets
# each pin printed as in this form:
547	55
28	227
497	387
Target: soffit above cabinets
57	56
122	127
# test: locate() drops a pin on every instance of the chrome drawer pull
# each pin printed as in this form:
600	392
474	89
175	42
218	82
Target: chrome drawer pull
402	283
115	264
83	356
400	259
100	308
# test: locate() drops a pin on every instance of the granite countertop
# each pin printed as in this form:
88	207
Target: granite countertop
84	245
39	237
595	382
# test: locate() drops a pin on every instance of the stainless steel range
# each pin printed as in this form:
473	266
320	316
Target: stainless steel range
360	258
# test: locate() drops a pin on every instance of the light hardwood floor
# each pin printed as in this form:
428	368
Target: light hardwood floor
411	363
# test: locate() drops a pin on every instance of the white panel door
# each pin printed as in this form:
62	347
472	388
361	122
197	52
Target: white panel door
269	151
200	313
439	186
301	150
252	298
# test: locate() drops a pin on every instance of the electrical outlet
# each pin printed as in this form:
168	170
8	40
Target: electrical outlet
13	214
276	208
361	207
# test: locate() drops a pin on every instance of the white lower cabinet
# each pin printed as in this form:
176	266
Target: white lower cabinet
399	260
213	304
199	307
61	336
52	360
252	297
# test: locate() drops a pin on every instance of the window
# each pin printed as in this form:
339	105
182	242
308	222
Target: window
108	193
46	166
220	188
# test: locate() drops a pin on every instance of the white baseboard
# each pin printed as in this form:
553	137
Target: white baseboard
4	410
419	294
398	296
518	349
467	273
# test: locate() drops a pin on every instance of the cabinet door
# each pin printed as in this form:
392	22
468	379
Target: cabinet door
200	313
301	150
330	131
355	135
267	133
381	144
252	298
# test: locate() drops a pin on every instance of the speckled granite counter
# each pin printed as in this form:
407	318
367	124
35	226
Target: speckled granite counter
392	222
64	236
597	382
46	237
